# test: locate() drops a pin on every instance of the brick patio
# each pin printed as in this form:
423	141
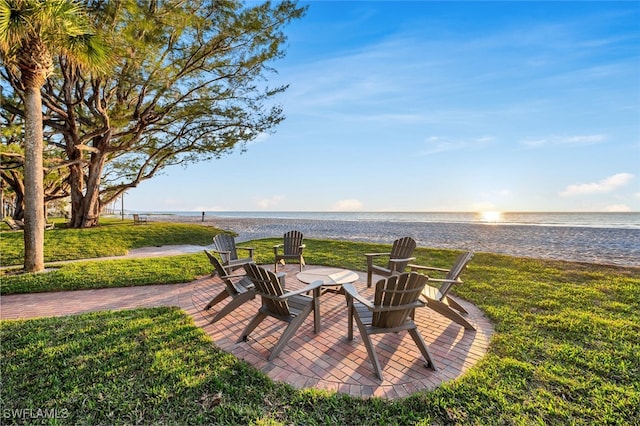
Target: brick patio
325	361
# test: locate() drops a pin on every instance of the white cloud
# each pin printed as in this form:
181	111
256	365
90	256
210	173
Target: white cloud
347	205
617	208
577	140
261	137
605	185
266	203
437	144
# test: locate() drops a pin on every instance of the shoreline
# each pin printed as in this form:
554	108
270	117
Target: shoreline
604	246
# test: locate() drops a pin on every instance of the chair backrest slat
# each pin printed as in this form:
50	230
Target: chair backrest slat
398	294
267	282
292	242
456	270
225	242
231	288
402	249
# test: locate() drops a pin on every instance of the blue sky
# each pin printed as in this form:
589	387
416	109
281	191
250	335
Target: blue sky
439	106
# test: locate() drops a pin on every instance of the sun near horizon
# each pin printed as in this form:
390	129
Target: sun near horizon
491	216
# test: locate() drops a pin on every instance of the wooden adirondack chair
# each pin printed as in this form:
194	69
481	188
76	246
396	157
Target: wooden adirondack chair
399	257
225	246
239	288
292	249
437	298
292	307
391	311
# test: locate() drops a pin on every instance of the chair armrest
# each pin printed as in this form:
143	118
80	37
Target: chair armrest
305	289
232	276
425	268
249	249
412	305
220	251
377	254
408	259
351	291
370	257
301	246
443	280
394	263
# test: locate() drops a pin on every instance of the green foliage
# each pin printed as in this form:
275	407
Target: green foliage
185	84
565	351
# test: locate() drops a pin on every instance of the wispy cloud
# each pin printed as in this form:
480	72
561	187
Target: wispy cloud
570	141
605	185
618	208
347	205
262	137
266	203
436	144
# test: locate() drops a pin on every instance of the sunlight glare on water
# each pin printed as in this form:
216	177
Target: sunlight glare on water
491	216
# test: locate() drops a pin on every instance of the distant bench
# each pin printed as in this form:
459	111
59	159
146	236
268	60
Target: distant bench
137	219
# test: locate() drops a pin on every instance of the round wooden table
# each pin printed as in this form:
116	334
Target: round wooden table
332	278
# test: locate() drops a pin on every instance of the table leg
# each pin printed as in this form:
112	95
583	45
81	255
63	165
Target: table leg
316	310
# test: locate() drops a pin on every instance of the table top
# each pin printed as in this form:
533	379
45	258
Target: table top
329	276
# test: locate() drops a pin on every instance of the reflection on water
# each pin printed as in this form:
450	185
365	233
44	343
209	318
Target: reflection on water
491	216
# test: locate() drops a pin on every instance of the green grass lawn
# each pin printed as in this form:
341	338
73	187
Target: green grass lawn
113	238
566	350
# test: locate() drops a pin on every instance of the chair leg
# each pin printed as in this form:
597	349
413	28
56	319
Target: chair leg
445	310
229	307
219	298
368	343
350	312
316	310
455	305
290	331
417	337
257	319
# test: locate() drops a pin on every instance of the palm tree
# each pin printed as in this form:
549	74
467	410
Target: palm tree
32	33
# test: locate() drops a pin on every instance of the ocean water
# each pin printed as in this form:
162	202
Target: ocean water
596	220
608	238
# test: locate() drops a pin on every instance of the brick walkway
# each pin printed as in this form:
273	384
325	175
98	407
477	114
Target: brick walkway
325	361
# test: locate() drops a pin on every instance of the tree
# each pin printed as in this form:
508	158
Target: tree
31	33
56	174
188	85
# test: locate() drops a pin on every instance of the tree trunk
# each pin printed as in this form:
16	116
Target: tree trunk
16	182
77	185
85	204
34	222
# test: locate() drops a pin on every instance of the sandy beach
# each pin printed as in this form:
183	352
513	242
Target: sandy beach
619	247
